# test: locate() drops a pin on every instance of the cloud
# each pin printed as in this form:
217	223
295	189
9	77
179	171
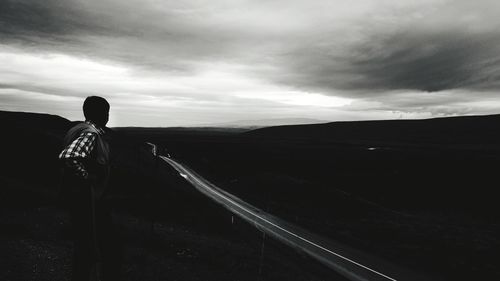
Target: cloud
359	46
448	45
408	60
334	57
132	32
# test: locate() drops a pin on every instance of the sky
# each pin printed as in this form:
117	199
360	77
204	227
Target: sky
185	63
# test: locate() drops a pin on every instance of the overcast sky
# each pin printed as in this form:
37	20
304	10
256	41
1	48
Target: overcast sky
170	63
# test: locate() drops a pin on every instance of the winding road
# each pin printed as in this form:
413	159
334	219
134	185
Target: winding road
351	263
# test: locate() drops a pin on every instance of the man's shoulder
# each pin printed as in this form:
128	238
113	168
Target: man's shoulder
85	128
80	129
88	135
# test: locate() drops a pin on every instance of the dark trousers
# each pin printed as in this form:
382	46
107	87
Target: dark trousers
96	242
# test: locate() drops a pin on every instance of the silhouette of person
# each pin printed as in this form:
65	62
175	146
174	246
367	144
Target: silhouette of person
85	161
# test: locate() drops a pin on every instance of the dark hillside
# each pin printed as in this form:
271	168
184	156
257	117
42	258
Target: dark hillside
29	147
482	130
421	193
167	230
38	121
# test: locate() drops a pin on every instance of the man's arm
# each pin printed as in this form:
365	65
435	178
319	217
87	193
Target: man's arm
78	150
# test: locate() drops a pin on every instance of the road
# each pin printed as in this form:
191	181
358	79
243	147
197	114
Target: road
351	263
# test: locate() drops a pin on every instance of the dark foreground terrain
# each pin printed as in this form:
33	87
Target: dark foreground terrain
417	193
167	231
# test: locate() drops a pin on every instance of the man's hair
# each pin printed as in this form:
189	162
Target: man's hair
95	107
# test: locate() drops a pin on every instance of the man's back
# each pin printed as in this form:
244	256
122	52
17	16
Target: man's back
85	160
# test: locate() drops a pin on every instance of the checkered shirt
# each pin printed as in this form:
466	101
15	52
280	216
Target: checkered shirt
79	149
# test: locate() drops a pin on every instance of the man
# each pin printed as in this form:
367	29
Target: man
85	160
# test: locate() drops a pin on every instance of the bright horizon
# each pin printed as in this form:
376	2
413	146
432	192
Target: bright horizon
165	63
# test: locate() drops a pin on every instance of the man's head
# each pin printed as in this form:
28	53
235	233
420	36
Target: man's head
96	109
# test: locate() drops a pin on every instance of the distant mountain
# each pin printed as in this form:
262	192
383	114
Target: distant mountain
483	130
265	123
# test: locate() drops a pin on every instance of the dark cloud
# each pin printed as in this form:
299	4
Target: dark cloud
432	62
31	21
119	31
409	60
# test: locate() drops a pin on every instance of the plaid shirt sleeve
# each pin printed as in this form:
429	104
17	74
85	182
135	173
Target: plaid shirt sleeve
80	148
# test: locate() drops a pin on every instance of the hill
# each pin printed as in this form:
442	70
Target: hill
420	193
259	123
29	147
39	121
166	229
482	130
